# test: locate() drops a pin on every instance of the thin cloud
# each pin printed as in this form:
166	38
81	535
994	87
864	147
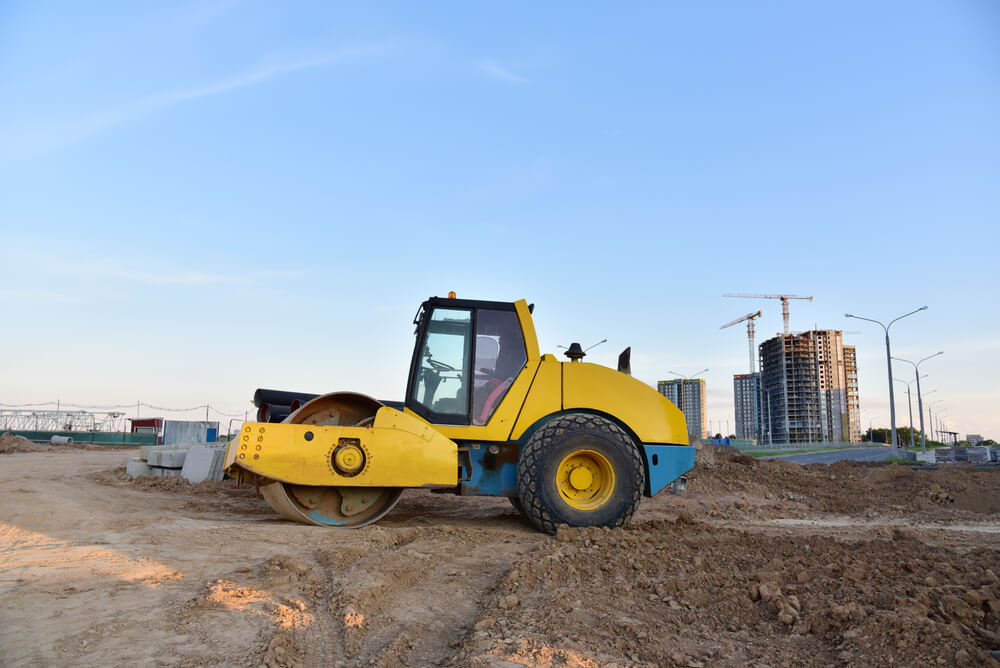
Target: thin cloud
206	13
184	278
495	70
118	272
42	140
38	296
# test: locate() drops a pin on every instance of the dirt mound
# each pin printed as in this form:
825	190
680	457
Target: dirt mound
709	455
687	594
10	443
207	497
848	487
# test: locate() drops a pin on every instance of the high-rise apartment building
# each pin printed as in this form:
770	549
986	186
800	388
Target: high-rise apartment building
851	388
746	394
689	396
809	388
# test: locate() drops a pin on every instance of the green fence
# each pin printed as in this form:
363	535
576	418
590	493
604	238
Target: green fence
91	437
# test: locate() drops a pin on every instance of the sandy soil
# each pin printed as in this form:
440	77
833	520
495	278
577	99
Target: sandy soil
760	563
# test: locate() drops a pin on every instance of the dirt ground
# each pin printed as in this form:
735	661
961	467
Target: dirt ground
758	564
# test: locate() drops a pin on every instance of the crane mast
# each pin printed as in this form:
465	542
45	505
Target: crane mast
749	317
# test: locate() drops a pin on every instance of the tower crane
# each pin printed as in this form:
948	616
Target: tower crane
784	303
749	317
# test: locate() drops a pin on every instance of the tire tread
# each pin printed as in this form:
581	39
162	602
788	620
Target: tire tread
550	435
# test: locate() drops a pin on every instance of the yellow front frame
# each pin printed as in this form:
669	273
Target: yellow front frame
400	451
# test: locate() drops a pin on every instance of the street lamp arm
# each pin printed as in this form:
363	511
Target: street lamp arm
940	352
687	377
858	317
922	308
900	359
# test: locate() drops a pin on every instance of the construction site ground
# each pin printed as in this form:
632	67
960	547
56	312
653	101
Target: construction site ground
760	563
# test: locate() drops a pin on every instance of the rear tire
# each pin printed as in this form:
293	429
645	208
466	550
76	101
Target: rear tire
516	502
580	470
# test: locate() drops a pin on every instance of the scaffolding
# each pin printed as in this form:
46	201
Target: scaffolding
61	420
790	386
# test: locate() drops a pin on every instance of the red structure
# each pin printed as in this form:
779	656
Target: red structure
147	426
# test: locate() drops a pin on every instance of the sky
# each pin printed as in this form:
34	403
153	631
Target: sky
201	198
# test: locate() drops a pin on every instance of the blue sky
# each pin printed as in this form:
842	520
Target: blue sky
198	199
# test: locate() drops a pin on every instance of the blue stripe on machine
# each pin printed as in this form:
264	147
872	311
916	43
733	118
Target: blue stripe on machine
664	464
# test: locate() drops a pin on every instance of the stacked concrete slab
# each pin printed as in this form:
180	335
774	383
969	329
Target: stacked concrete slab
973	455
204	462
944	455
978	455
197	462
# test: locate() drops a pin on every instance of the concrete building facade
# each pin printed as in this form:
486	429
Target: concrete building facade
809	389
746	394
689	396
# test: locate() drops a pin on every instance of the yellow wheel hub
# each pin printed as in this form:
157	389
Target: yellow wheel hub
349	459
585	479
580	478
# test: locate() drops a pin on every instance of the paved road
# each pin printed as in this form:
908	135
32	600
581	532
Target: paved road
831	456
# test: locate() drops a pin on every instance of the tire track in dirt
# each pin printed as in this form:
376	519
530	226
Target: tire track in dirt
414	605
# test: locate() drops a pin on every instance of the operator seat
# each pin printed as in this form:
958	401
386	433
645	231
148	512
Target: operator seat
509	362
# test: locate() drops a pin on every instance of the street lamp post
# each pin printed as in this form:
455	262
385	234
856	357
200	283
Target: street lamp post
940	426
920	405
909	403
931	415
888	361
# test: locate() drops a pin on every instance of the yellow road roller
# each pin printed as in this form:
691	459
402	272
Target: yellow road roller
485	414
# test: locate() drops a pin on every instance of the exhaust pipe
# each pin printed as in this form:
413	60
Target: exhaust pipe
272	412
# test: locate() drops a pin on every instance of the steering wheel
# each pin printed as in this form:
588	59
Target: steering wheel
440	366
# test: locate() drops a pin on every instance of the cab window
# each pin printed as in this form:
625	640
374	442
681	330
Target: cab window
445	362
500	356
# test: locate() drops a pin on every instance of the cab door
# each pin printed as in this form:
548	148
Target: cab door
442	374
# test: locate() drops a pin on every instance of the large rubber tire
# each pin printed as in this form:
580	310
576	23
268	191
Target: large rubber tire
516	502
542	465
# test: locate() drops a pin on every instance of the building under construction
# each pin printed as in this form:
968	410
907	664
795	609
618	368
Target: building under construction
809	389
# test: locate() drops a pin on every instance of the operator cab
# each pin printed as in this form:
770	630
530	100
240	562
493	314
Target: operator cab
466	356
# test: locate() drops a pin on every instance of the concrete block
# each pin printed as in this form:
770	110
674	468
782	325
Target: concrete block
136	467
163	471
146	449
170	458
202	463
220	459
944	455
979	455
927	457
